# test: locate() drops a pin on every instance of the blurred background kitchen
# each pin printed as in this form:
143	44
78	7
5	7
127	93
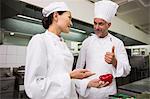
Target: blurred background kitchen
21	19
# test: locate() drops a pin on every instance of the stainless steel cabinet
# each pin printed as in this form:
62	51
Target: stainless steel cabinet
7	87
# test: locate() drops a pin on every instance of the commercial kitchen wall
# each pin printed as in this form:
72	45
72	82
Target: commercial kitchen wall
146	47
12	55
84	10
15	55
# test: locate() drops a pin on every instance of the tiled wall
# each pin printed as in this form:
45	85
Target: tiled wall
12	55
15	56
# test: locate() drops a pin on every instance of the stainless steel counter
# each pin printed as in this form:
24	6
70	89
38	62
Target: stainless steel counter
140	86
137	88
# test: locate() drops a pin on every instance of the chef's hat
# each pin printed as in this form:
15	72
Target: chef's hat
105	9
53	7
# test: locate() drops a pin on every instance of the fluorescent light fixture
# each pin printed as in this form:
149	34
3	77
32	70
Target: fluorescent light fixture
17	33
12	33
30	18
77	30
34	19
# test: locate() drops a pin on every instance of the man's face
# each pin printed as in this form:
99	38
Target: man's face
101	27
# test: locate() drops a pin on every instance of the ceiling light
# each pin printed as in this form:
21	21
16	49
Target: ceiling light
11	33
30	18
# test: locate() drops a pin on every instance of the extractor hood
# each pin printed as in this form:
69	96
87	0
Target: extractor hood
25	18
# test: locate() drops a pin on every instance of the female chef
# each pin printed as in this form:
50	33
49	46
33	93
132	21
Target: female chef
49	62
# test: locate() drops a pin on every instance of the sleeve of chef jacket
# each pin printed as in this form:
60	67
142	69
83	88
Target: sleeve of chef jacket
81	85
36	82
123	67
82	56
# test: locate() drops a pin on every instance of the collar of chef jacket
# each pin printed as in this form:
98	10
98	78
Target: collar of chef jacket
106	37
56	37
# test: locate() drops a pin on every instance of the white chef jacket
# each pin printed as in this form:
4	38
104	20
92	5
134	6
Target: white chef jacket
48	63
92	54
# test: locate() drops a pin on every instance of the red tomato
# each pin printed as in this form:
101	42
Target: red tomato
106	77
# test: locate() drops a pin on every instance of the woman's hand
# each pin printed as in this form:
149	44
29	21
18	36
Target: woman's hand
97	83
80	73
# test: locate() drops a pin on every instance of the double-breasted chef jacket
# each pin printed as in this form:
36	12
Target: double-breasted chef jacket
48	63
92	55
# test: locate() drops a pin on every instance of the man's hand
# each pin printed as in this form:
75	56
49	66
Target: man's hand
110	57
97	83
80	73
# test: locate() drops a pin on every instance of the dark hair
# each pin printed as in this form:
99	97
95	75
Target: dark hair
47	21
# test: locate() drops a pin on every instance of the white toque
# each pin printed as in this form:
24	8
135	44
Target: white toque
105	9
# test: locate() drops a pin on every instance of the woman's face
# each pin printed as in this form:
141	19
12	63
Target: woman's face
64	22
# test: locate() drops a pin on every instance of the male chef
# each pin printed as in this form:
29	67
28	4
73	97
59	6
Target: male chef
102	53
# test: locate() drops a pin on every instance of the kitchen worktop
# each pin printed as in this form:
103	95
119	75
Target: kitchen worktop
139	89
140	86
